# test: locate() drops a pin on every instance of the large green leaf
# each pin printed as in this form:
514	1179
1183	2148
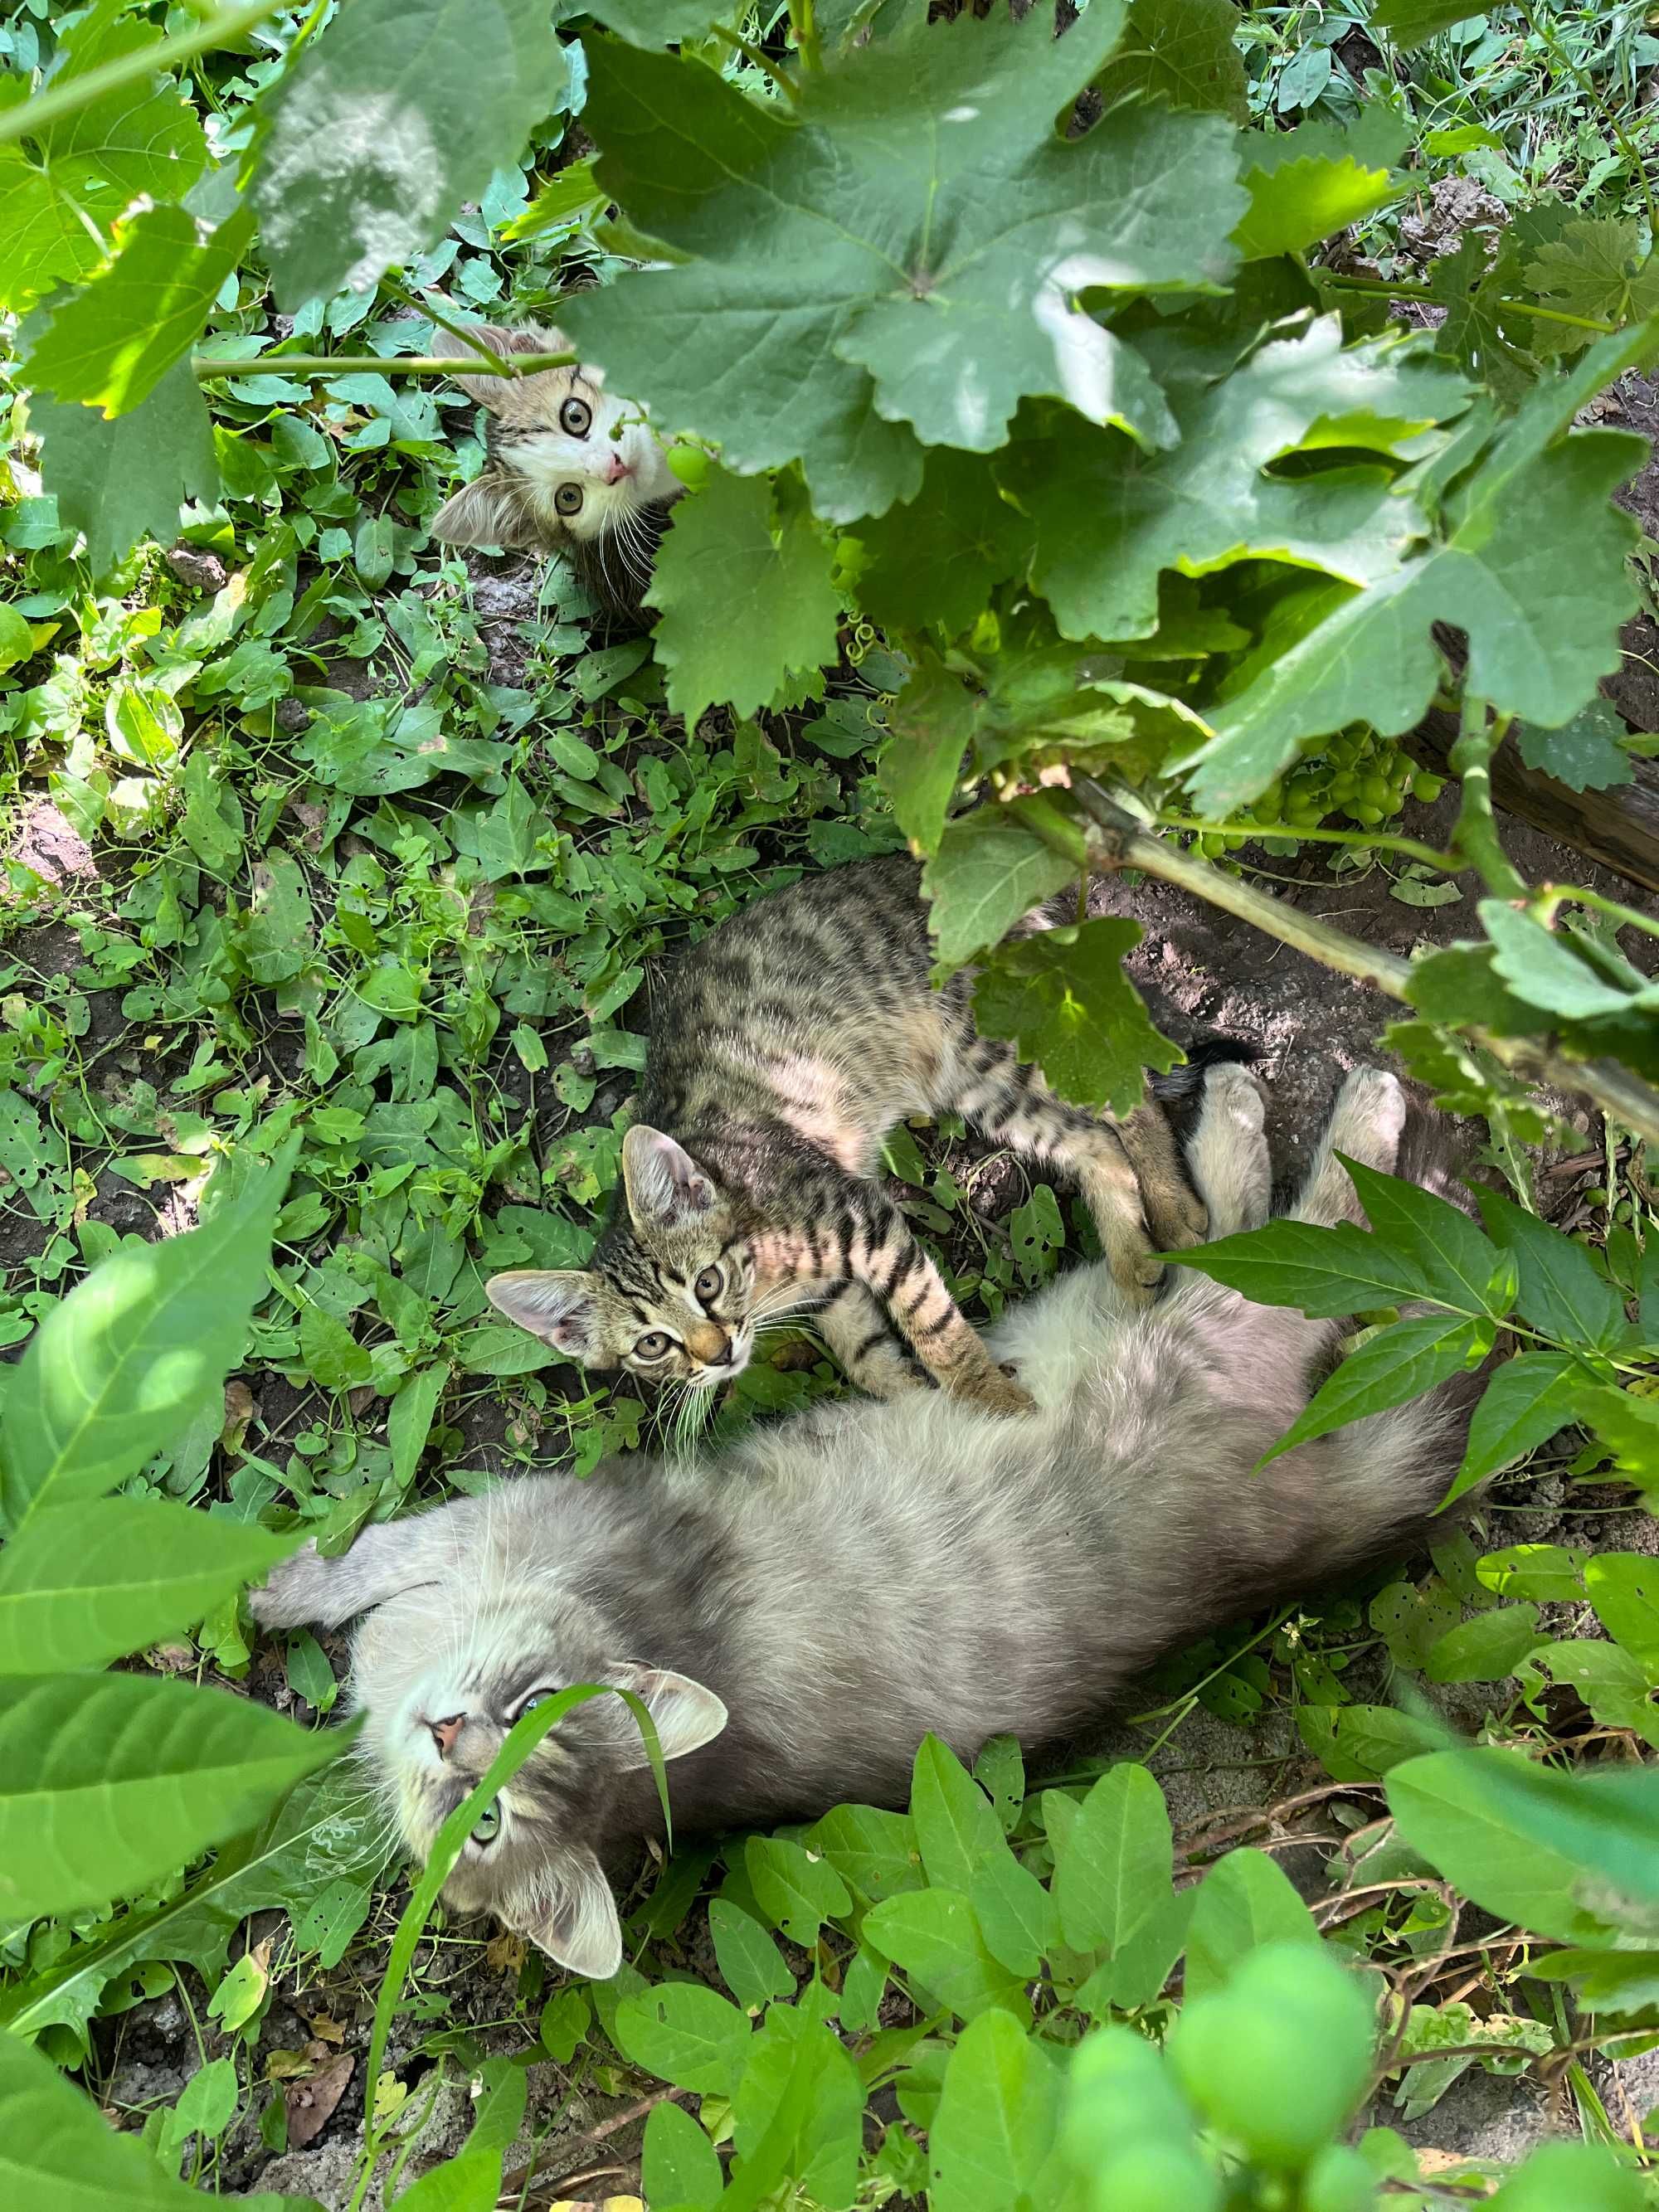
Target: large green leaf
57	184
329	1829
1409	22
1541	966
791	2054
122	480
1572	1857
874	1851
847	264
1394	1366
678	2164
58	2153
1108	519
1064	999
1624	1588
797	1892
956	1826
1245	1900
1458	1265
113	343
934	559
109	1781
392	116
1525	1403
768	577
1181	53
690	2036
1559	1290
935	1935
995	2122
1323	1272
1112	1872
85	1583
1532	566
991	869
118	1367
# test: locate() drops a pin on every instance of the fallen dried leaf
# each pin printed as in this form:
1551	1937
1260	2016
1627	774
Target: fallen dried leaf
310	2101
505	1954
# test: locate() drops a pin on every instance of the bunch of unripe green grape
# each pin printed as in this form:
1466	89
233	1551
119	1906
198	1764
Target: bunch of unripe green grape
1364	777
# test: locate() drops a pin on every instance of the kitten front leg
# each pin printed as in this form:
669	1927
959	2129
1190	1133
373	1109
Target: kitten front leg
854	1327
383	1561
887	1260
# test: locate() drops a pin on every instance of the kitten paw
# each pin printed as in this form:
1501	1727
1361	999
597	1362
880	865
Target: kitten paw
999	1395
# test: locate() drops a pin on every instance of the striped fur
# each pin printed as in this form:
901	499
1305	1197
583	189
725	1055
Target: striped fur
784	1046
798	1612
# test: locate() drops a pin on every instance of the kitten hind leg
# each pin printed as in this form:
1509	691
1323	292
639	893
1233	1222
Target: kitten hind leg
1228	1152
1129	1172
1366	1123
853	1325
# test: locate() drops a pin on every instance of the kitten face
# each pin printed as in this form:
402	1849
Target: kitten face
434	1728
569	465
672	1294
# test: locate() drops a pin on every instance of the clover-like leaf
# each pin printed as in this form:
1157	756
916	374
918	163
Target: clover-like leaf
852	274
1063	997
1108	519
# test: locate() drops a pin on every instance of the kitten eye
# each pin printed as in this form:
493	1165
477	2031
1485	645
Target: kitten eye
488	1825
653	1345
575	418
528	1705
568	498
709	1283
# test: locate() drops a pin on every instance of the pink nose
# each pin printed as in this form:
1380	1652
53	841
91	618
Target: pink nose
616	468
444	1733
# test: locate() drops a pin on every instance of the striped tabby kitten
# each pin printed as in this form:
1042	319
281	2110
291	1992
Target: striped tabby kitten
788	1042
571	469
797	1613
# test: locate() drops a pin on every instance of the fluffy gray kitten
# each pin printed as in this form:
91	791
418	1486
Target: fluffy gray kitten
799	1611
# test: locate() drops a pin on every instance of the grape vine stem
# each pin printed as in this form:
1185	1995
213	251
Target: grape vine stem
1114	840
1380	289
1448	863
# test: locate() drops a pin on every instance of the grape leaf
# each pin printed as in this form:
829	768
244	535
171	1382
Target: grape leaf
115	340
394	114
848	263
1531	567
122	480
989	871
139	139
1586	753
1598	268
1063	997
932	721
1107	520
659	22
1397	1364
1409	22
1181	52
1307	184
1541	966
935	559
770	577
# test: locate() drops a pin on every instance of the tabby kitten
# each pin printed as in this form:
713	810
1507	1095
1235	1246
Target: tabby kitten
828	1590
570	470
786	1043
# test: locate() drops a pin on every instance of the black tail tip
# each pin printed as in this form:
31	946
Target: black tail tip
1187	1079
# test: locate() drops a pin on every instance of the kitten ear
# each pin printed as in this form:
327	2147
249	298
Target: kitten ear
556	1304
687	1715
493	392
571	1916
484	513
665	1187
